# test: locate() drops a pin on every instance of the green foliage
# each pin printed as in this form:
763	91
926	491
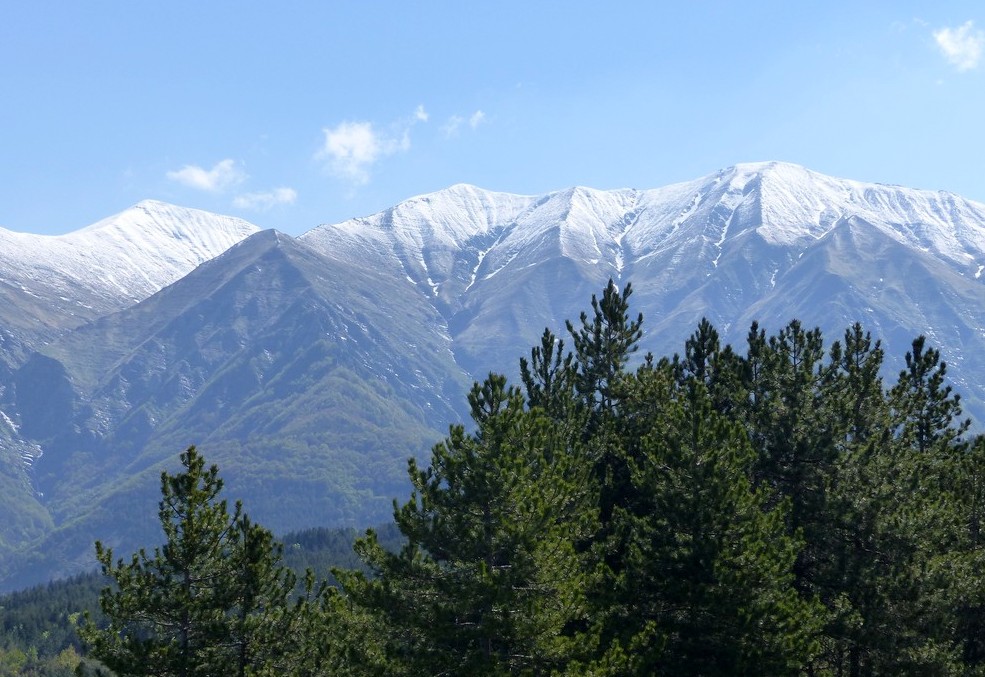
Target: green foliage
489	578
25	519
708	578
17	662
44	618
602	349
213	599
42	622
774	512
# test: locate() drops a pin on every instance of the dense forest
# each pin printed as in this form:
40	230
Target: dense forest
779	510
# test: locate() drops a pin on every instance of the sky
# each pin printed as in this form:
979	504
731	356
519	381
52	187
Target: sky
294	114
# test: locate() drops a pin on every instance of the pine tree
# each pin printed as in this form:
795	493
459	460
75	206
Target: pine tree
708	583
903	564
603	346
548	377
926	410
716	367
856	396
489	581
970	570
849	544
213	600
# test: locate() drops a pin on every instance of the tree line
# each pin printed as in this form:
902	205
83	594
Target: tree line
775	511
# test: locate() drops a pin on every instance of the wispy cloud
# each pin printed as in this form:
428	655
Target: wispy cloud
962	46
453	126
223	175
351	149
263	201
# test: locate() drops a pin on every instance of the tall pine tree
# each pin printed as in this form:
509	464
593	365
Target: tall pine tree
489	581
213	600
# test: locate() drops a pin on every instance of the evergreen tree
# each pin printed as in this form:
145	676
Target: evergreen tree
716	367
856	396
213	600
849	543
903	577
700	351
548	377
603	346
489	581
969	592
926	411
708	580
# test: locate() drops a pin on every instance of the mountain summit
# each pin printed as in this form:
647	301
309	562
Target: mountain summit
53	283
718	246
784	204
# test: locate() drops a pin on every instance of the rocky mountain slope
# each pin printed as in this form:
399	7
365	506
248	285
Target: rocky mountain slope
49	284
770	241
52	284
310	368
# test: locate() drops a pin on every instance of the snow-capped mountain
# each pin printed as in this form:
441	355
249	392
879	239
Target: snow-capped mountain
62	281
124	258
464	235
501	265
309	367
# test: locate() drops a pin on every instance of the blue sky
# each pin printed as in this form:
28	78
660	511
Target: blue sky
299	113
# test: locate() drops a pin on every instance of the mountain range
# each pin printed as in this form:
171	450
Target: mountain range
310	368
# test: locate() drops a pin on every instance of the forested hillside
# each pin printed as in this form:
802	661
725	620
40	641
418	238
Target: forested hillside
774	509
39	625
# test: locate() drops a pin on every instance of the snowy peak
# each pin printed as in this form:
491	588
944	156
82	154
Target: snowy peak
436	240
580	224
124	258
182	236
456	215
150	223
449	242
449	217
798	205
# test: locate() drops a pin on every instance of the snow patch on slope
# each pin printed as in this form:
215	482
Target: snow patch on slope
452	241
122	259
434	238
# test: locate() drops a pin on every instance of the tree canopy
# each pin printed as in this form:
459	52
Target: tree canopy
213	600
772	509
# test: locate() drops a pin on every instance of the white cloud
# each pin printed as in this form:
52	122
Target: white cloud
352	148
223	175
265	200
961	46
451	127
421	115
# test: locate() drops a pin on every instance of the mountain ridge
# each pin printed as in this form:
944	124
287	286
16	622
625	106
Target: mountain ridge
665	240
311	367
53	283
795	206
